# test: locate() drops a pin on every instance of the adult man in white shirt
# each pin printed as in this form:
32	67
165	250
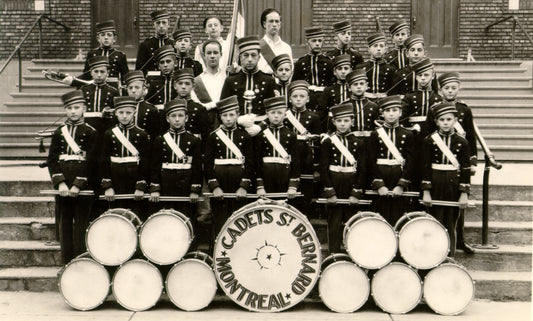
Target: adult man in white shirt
271	44
213	28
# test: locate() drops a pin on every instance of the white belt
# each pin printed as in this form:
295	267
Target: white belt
443	167
153	73
417	119
278	160
66	157
229	161
342	169
316	88
361	133
384	161
176	166
92	114
301	137
112	79
376	95
127	159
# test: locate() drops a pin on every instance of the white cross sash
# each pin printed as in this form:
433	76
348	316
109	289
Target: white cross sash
390	145
70	141
229	143
172	144
275	143
125	142
296	123
344	151
445	150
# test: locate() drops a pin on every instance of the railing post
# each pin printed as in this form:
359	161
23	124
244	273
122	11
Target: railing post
513	36
20	71
40	38
485	209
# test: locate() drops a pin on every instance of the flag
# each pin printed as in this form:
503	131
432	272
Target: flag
236	28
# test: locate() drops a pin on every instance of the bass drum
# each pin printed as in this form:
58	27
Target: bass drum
267	257
167	227
396	288
343	287
84	283
191	284
449	288
112	237
137	285
369	240
423	242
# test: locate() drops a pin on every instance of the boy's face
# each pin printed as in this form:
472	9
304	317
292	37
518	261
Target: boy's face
392	114
299	98
183	45
229	118
345	37
99	74
212	55
276	116
342	70
445	122
424	78
315	44
125	115
75	111
177	119
359	87
343	124
416	52
106	39
161	26
183	87
378	49
272	23
249	59
166	65
284	72
136	89
399	37
213	28
450	90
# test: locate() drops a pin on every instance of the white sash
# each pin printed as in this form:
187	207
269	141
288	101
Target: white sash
275	143
344	151
295	123
229	143
172	144
445	150
460	130
70	141
125	142
390	145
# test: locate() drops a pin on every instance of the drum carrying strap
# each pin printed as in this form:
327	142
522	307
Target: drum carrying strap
70	141
445	150
125	142
229	143
344	151
275	143
267	53
390	145
172	144
296	123
460	130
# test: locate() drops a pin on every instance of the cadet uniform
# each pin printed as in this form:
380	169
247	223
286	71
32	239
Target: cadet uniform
397	57
379	73
334	94
366	112
161	88
145	55
355	57
281	86
185	61
71	161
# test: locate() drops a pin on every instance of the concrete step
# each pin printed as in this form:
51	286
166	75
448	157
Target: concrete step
496	107
506	258
73	69
61	62
514	233
49	87
513	153
499	119
454	63
27	228
489	79
29	253
38	97
32	106
37	115
496	96
506	129
26	126
35	279
502	192
517	140
23	151
15	137
502	286
42	207
503	89
504	211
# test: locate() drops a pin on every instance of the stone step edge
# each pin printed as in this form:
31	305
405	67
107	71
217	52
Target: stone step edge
15	220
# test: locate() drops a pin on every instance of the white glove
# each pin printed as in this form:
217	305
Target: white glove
246	120
67	80
416	127
253	130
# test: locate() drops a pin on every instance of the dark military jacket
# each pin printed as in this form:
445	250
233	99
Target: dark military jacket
366	113
416	107
147	118
323	74
355	57
405	82
145	61
118	63
380	75
161	90
188	62
311	122
397	57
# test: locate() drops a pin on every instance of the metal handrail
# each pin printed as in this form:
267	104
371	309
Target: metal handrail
513	32
38	22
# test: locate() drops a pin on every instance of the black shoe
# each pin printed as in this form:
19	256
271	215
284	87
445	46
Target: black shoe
467	248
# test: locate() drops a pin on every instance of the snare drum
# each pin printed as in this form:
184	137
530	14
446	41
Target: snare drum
343	287
396	288
165	236
137	285
449	288
84	283
112	237
267	257
423	242
369	240
191	284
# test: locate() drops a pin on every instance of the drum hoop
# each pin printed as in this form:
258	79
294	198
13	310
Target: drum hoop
407	216
119	211
348	225
200	256
339	262
183	218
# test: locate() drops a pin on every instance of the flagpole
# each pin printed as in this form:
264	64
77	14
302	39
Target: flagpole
233	28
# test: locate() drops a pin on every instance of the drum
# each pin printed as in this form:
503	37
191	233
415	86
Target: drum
137	285
396	288
343	287
191	284
112	237
267	257
423	242
167	227
369	240
449	288
84	283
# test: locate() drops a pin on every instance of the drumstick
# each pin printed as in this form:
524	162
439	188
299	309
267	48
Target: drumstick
267	195
161	198
404	194
341	201
447	203
56	192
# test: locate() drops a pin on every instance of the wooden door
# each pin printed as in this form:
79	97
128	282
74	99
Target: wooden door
438	21
126	16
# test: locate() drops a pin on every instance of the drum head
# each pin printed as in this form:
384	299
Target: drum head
191	284
111	239
396	288
371	242
267	258
137	285
344	287
424	243
84	284
164	229
448	289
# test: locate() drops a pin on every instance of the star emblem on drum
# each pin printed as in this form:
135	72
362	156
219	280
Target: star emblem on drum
224	253
268	256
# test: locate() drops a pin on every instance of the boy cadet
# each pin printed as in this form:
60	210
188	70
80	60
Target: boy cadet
314	67
145	55
342	169
390	160
146	115
379	73
282	65
228	163
125	158
213	27
161	88
343	33
397	56
271	44
250	84
182	44
340	91
366	112
446	167
71	166
276	155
